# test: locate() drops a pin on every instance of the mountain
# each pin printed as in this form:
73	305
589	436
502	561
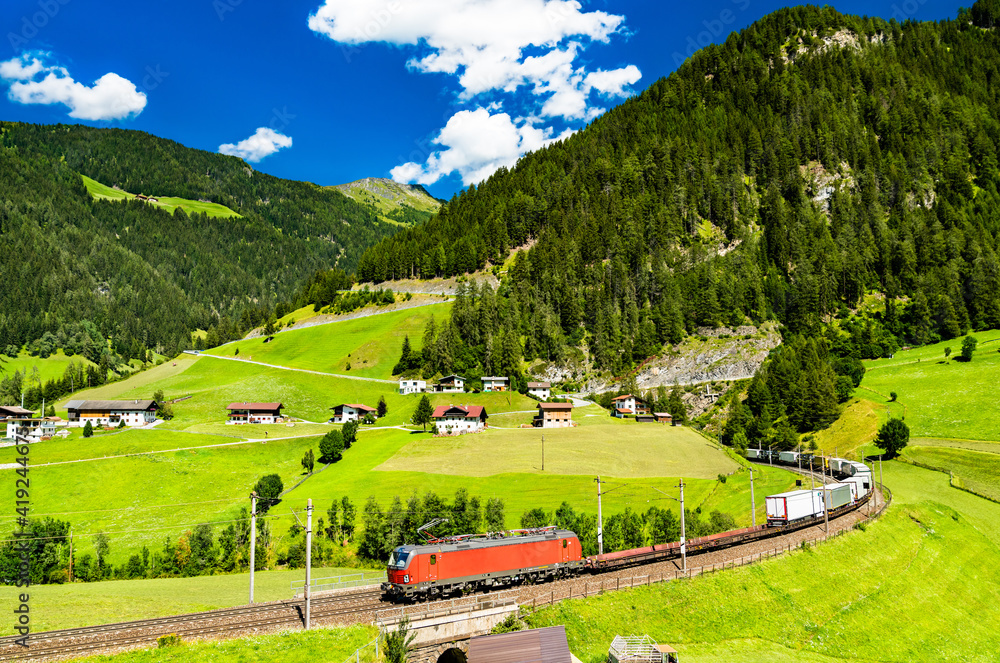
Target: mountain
405	204
835	173
149	272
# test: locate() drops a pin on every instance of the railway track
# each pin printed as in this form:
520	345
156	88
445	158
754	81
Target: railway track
92	639
348	606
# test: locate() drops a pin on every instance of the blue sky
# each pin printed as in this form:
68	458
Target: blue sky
440	92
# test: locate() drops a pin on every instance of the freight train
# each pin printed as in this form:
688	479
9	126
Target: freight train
468	563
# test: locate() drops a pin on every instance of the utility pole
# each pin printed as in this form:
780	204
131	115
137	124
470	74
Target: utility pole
826	508
309	536
812	477
600	520
880	486
71	554
253	538
543	452
753	502
684	559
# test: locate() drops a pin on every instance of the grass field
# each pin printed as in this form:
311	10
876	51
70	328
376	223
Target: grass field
979	471
646	450
947	399
856	427
102	192
67	606
334	644
50	368
371	345
918	585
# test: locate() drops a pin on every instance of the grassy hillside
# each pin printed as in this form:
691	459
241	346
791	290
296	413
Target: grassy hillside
941	397
50	368
102	192
371	345
925	568
392	202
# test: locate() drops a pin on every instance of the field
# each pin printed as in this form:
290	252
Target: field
102	192
926	569
66	606
333	644
50	368
978	470
947	399
371	345
857	426
646	450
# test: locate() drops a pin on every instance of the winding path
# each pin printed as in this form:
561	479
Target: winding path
288	368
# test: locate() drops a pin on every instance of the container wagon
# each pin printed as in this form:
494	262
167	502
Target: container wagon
794	505
790	457
835	495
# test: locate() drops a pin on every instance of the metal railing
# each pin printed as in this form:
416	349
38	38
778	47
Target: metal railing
331	583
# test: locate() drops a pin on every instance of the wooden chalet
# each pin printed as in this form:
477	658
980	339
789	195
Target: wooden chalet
627	404
554	415
491	384
450	384
350	412
458	419
254	413
111	413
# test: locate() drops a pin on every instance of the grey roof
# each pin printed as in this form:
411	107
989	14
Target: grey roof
111	405
539	645
15	411
539	385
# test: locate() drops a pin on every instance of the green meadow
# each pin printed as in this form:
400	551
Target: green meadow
333	644
977	470
371	345
939	397
100	191
50	368
78	604
919	584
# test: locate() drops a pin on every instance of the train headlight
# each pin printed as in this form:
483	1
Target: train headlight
406	578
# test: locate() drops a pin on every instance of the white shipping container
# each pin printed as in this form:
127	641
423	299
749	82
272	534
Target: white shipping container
753	453
788	457
840	494
793	505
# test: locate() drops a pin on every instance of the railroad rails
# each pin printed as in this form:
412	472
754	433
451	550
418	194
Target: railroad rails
92	639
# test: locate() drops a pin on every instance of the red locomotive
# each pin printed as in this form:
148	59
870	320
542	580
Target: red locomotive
470	562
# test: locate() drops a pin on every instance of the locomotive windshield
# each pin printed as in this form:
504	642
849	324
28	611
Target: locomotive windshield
397	559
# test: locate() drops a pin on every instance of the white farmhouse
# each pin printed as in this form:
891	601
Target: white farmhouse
410	386
111	413
350	412
540	390
458	419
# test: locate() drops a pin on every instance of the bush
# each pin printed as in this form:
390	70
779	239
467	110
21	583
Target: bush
88	429
722	478
892	396
169	640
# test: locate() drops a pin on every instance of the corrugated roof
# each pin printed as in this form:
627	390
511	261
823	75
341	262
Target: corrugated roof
111	405
254	406
539	385
540	645
555	406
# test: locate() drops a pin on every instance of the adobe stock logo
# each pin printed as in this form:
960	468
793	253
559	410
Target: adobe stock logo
30	25
714	29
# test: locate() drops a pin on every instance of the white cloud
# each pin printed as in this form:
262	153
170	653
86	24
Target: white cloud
264	142
493	48
111	97
476	143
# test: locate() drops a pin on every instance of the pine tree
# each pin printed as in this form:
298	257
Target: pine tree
423	413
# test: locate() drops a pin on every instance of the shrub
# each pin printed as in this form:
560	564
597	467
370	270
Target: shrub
331	447
169	640
88	429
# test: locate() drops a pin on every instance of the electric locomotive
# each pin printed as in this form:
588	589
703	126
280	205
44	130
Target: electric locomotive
466	563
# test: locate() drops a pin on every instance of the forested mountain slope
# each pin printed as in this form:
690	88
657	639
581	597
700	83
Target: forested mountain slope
811	158
139	272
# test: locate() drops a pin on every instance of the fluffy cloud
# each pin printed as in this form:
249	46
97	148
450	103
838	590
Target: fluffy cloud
476	143
264	142
32	81
493	48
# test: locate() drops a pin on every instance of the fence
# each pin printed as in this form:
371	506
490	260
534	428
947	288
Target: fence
365	653
330	583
